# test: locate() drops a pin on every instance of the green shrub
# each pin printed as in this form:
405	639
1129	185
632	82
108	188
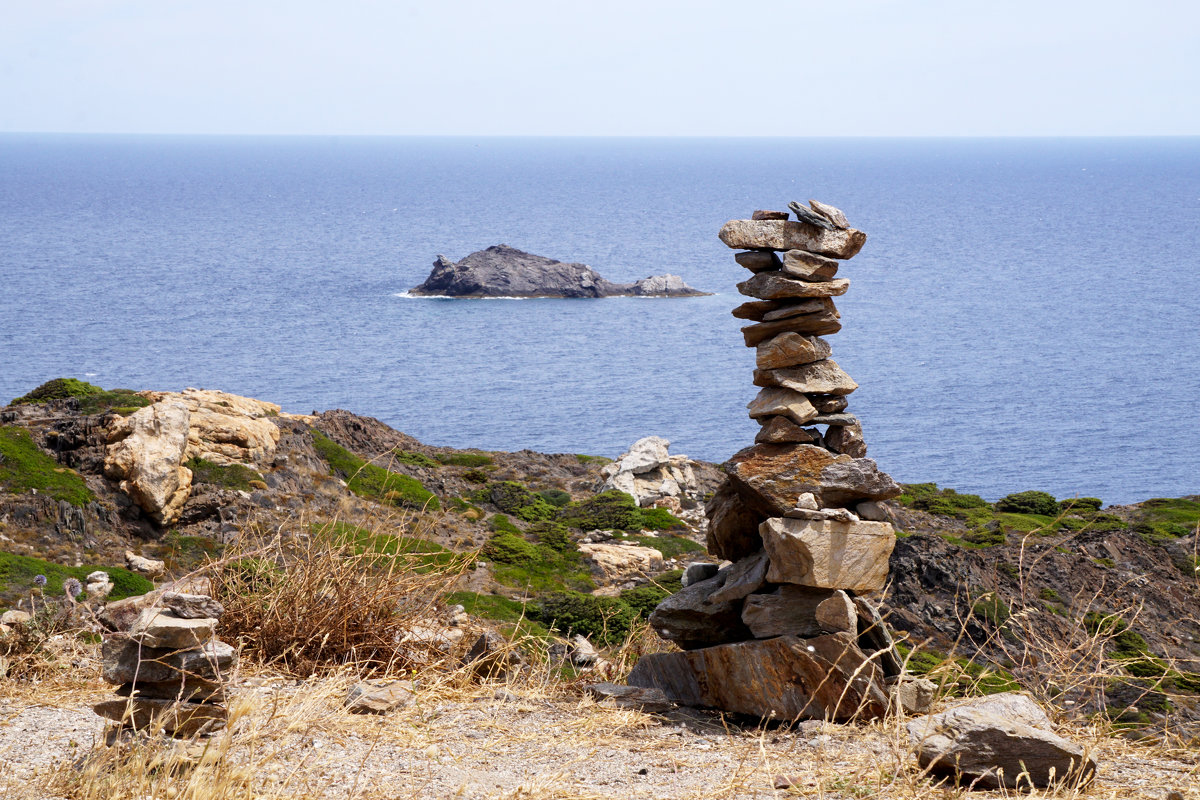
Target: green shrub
1077	505
229	476
500	609
505	547
185	553
611	510
555	497
92	399
58	389
601	460
369	480
1161	519
23	466
985	537
499	522
475	476
992	608
946	502
1031	502
669	546
17	574
644	599
414	459
513	498
420	555
553	535
659	519
464	459
605	620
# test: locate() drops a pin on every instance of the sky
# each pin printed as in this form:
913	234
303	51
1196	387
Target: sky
609	68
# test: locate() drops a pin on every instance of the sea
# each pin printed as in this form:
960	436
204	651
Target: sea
1024	314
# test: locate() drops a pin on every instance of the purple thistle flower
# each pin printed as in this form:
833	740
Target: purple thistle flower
39	581
72	587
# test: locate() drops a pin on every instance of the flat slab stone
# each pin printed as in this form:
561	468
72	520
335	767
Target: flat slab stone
691	621
123	660
746	234
771	477
793	308
378	698
174	718
790	350
817	377
158	628
831	213
778	286
786	678
761	214
781	430
821	323
828	554
829	403
846	439
651	701
777	401
788	611
742	578
196	691
808	266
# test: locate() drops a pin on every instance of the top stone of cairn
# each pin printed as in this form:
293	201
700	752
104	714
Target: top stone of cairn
823	230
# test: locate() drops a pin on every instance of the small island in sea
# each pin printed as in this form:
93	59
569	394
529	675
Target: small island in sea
503	271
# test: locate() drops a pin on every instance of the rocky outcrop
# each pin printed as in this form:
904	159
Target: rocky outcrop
146	454
503	271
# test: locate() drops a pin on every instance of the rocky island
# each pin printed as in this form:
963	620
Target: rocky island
503	271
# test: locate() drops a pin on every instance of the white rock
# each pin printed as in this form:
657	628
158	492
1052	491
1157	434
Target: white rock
645	454
146	454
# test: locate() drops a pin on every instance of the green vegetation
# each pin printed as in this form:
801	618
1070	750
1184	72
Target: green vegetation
614	510
601	460
475	476
369	480
415	459
513	498
185	553
669	546
500	609
421	555
992	608
553	564
23	466
92	399
228	476
555	497
1075	505
1162	519
958	675
553	535
17	574
604	620
947	502
644	599
1031	502
464	459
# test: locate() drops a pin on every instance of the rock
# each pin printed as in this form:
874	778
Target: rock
836	614
807	500
688	619
648	473
778	286
503	271
912	695
758	260
99	576
150	567
873	510
829	403
781	430
827	554
819	324
835	420
180	719
776	401
732	525
1004	740
741	579
493	657
847	439
582	652
769	215
830	213
191	606
791	349
793	308
620	560
378	698
875	639
123	660
787	611
785	678
97	591
146	453
808	266
744	234
156	628
818	377
647	453
651	701
185	688
699	571
770	477
805	214
433	636
756	309
227	428
15	617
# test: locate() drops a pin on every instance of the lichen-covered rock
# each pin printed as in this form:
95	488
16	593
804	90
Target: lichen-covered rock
146	454
828	554
771	477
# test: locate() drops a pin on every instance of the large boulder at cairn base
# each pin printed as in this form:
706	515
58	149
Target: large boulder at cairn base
771	234
503	271
785	678
771	477
1003	740
146	453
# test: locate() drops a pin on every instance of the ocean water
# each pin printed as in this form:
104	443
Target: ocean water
1023	316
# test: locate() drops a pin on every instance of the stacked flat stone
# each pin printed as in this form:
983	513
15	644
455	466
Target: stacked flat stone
168	665
785	631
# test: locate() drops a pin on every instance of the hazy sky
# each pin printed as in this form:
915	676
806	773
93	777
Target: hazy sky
613	67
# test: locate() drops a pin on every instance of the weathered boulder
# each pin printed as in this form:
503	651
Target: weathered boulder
1004	740
150	567
830	213
661	286
741	579
699	571
15	617
647	453
172	717
124	660
785	678
818	324
911	695
493	657
806	214
791	349
778	286
781	430
808	266
378	698
691	621
836	614
184	688
828	554
847	439
146	453
191	606
776	401
758	260
732	525
157	628
744	234
787	611
818	377
648	473
651	701
770	477
622	560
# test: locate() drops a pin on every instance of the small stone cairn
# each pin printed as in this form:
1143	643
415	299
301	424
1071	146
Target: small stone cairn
786	631
169	668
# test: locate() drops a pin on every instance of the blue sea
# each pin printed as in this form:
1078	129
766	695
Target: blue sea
1023	315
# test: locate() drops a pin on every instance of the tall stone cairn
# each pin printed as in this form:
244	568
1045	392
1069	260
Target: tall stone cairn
169	667
787	630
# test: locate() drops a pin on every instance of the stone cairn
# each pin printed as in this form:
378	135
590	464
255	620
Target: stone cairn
786	630
169	667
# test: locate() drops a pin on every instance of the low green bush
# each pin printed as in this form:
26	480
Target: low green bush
992	608
464	459
1030	502
513	498
669	546
369	480
615	510
506	547
92	399
17	573
554	535
644	599
414	459
228	476
23	466
604	620
1076	505
555	497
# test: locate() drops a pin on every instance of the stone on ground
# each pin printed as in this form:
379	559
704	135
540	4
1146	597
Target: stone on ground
181	719
378	698
157	628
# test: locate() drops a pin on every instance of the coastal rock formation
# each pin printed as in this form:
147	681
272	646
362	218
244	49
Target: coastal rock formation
503	271
784	632
146	454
